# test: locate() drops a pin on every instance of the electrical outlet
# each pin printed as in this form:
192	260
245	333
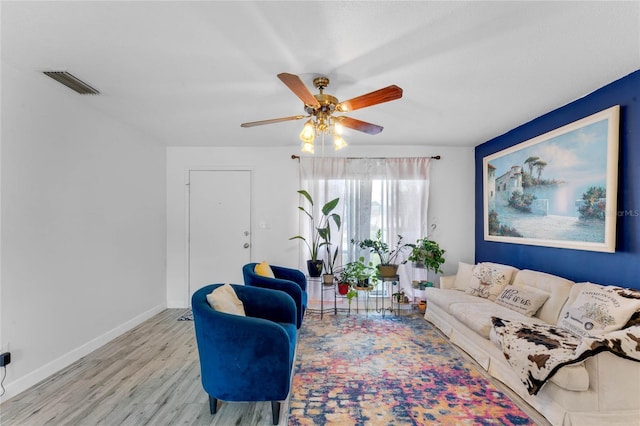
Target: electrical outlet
5	358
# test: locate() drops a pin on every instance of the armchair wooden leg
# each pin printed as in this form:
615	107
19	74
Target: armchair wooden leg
275	412
213	404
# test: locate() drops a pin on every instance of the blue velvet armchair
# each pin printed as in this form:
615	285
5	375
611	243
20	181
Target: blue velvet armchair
291	281
246	358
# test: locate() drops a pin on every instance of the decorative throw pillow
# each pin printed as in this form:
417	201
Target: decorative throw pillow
463	277
224	299
524	300
600	309
264	269
488	281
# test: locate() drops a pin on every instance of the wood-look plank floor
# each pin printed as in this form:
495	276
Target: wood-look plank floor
148	376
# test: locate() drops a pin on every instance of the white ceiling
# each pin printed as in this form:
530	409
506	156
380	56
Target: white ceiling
188	73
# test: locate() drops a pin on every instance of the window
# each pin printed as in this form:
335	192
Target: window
387	194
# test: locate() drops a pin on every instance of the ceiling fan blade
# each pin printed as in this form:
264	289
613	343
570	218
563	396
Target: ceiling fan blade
296	85
361	126
386	94
273	120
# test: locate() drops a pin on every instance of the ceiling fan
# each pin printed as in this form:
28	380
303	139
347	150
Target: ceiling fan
321	110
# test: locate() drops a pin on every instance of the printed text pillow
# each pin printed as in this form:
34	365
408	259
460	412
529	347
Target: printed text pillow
524	300
600	309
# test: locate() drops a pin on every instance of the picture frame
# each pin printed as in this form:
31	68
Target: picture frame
558	189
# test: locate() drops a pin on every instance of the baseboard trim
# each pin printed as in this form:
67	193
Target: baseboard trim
176	304
25	382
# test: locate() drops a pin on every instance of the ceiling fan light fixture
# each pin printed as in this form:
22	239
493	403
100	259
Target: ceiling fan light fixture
308	147
321	107
308	134
338	142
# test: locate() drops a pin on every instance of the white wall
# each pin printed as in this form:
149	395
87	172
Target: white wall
83	227
275	201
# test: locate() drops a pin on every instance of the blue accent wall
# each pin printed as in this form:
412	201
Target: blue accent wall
620	268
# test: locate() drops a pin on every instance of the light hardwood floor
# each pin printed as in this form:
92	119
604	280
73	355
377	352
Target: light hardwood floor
150	375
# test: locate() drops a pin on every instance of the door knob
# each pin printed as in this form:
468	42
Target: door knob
246	245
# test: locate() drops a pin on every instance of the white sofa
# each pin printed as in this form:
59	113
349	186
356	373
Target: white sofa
602	390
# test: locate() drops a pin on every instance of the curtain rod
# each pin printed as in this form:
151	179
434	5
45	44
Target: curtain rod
297	157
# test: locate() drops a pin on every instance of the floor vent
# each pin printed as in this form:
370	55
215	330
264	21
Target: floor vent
72	82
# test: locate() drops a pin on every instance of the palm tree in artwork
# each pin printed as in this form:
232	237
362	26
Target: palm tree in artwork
529	162
539	165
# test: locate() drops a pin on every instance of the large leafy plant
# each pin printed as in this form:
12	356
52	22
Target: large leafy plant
388	255
356	272
427	253
321	229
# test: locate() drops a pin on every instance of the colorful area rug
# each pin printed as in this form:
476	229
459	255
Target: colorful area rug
187	316
371	370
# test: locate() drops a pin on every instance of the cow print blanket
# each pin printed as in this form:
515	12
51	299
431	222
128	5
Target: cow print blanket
537	351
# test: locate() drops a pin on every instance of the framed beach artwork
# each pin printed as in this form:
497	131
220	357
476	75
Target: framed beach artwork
558	189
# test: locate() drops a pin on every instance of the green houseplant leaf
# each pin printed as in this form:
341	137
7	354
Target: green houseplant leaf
321	229
428	253
387	255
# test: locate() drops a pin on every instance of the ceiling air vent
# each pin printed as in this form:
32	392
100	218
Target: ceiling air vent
72	82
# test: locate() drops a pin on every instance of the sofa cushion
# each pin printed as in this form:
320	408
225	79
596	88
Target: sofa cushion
224	299
599	309
557	287
444	298
525	300
573	377
477	315
463	277
488	280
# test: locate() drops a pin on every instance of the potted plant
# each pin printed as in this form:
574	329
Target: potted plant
390	257
346	276
320	232
343	287
366	273
426	253
325	237
399	296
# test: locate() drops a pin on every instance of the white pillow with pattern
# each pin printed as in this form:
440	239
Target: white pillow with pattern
600	309
488	281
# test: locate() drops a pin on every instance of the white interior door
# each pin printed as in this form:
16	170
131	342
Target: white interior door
219	226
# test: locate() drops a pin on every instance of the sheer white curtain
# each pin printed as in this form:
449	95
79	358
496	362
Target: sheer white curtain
324	180
390	194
